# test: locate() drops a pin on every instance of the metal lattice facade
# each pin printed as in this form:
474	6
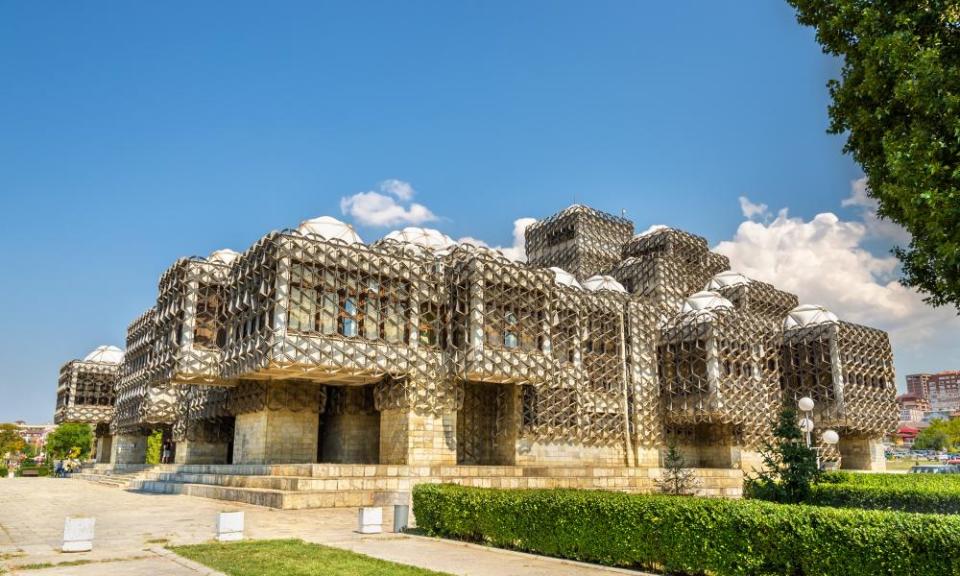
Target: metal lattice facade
603	340
85	392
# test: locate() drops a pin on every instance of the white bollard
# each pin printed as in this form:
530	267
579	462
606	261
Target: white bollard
230	526
370	520
78	534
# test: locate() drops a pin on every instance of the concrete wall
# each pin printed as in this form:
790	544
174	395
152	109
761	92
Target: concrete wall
196	452
104	454
350	438
276	437
857	453
129	449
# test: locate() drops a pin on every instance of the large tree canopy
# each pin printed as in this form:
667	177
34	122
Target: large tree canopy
66	437
10	439
898	101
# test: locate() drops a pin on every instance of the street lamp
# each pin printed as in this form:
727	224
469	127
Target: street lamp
829	437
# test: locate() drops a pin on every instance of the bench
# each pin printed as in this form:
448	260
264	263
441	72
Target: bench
29	472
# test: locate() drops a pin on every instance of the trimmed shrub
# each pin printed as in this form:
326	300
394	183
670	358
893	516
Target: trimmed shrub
4	471
688	535
932	493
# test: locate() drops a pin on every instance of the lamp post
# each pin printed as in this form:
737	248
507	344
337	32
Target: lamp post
829	437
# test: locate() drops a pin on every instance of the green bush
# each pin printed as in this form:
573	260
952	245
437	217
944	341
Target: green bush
4	471
687	535
932	493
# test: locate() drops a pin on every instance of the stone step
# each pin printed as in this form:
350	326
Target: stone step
279	499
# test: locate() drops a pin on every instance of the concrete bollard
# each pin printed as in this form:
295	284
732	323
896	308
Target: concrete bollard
78	534
370	520
401	517
230	526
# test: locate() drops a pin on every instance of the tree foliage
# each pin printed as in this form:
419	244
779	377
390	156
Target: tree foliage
154	447
789	465
898	102
10	439
676	478
68	437
940	435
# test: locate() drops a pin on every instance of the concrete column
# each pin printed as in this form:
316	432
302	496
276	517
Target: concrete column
276	437
129	449
105	449
418	439
862	454
351	438
198	452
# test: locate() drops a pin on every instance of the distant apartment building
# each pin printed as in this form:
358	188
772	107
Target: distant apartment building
942	389
912	407
34	434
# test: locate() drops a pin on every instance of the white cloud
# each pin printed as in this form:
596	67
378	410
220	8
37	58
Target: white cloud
653	228
876	227
824	261
515	252
750	210
390	206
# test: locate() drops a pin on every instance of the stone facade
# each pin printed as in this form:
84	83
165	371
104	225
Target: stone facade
312	346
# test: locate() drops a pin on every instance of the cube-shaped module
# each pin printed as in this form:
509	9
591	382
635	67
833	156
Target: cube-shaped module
753	296
578	239
143	400
191	319
718	366
86	389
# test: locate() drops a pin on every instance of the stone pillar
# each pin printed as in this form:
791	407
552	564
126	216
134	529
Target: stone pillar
407	437
129	449
105	449
859	453
199	452
276	422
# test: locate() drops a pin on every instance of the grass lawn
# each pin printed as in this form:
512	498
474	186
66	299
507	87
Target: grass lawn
292	558
906	464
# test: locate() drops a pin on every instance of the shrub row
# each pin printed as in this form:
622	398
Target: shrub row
933	493
4	471
686	535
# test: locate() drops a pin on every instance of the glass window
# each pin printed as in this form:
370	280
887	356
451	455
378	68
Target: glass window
510	339
350	324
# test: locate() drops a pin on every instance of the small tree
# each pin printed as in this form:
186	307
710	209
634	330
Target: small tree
790	466
66	437
676	478
10	439
154	447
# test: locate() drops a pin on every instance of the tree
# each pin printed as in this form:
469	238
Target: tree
677	478
69	436
10	439
790	466
940	435
154	447
898	102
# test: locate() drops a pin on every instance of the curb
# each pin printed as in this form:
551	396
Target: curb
575	563
177	559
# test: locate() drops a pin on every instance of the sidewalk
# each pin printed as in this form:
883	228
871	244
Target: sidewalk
132	527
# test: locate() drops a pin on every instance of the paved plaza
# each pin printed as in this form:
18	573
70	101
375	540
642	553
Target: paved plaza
133	528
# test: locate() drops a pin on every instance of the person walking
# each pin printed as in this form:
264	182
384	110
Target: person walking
165	458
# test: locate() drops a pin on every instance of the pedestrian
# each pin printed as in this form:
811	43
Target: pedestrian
58	469
165	458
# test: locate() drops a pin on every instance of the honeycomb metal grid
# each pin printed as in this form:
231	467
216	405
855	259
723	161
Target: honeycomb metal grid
760	299
86	392
581	240
142	400
719	367
190	321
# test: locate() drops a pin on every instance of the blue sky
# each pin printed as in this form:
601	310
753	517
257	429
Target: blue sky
135	133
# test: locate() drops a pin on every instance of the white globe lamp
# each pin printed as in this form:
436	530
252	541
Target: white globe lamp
805	404
830	437
806	425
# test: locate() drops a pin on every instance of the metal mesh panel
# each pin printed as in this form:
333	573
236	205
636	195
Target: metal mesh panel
142	400
85	392
191	321
847	370
720	367
581	240
203	414
760	299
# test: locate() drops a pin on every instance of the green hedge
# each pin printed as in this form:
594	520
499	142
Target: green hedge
934	493
4	471
686	535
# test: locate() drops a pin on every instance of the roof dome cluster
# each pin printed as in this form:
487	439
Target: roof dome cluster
105	355
330	228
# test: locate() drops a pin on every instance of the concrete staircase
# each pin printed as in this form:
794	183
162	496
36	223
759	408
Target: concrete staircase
119	477
298	486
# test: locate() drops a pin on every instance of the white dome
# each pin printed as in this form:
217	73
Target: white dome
726	280
564	278
705	300
105	355
809	315
330	228
423	237
598	282
224	256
